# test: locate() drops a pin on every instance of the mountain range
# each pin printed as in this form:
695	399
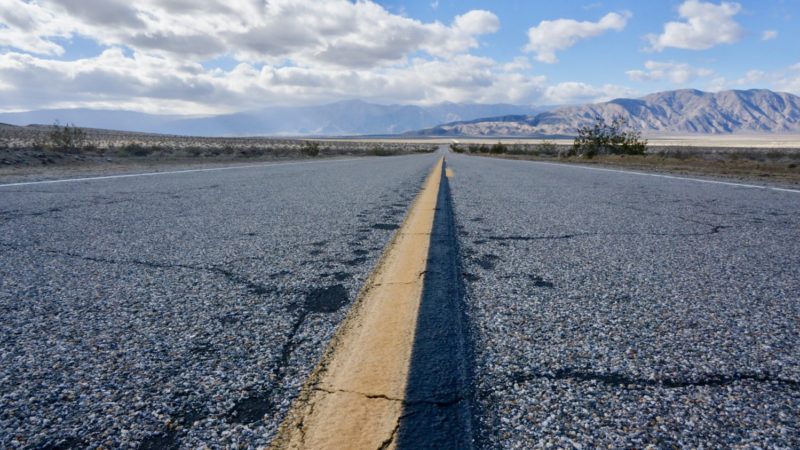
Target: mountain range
686	111
351	117
679	112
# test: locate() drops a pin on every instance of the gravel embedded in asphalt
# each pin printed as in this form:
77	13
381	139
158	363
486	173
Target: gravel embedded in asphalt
182	310
619	310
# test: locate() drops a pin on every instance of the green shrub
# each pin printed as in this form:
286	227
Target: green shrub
603	139
310	148
455	148
68	138
498	149
136	149
378	151
475	148
545	148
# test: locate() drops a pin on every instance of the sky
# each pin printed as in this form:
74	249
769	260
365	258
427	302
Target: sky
209	56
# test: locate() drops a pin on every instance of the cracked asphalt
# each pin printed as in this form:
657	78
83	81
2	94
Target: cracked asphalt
600	309
175	310
618	310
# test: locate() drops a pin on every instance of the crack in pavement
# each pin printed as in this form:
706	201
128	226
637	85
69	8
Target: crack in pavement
441	403
10	215
618	380
537	238
97	200
407	407
715	229
256	288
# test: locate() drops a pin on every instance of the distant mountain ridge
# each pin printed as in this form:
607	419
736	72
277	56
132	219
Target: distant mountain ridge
686	111
350	117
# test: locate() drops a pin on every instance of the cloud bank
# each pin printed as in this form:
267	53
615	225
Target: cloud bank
158	56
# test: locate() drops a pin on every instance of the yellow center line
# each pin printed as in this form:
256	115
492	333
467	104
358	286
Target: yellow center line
354	397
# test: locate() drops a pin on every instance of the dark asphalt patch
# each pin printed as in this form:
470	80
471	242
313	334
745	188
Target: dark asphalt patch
326	300
280	274
470	277
63	444
540	282
355	261
385	226
160	441
191	414
251	409
487	262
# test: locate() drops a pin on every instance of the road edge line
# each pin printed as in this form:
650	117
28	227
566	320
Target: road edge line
648	174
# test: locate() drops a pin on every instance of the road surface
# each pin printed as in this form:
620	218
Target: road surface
601	308
182	308
625	310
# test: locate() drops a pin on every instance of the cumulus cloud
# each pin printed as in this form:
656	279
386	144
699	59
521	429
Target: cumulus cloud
551	36
768	35
157	56
705	25
337	32
677	73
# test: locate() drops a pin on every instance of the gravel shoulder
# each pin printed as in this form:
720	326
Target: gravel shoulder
615	310
182	310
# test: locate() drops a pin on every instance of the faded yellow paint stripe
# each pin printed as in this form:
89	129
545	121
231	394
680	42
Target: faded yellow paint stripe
354	397
449	173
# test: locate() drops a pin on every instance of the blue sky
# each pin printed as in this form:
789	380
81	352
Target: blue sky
207	56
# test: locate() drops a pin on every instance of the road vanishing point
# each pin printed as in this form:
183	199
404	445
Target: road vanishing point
423	301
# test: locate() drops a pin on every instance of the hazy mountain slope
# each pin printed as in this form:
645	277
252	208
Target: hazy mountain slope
90	118
341	118
673	112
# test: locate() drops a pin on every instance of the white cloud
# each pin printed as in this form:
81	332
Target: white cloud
677	73
786	80
335	32
706	25
155	55
789	84
769	35
576	92
518	64
554	35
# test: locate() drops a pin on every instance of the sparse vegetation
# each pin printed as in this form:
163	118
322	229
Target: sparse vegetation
67	138
43	145
4	138
135	149
608	139
310	148
546	148
498	149
379	151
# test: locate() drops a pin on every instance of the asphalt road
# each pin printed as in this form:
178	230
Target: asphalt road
601	308
182	309
618	310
